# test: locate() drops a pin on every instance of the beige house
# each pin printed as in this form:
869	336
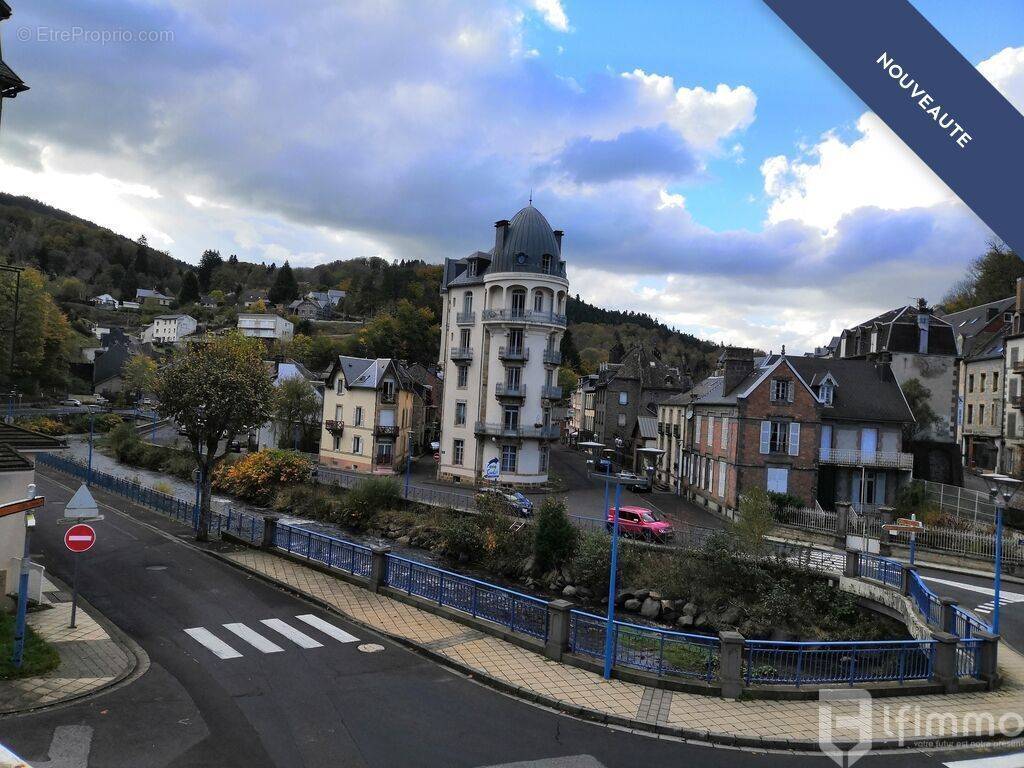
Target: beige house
369	414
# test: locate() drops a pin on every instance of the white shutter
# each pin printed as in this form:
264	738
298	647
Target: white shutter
766	435
722	472
794	438
696	430
725	432
790	388
711	430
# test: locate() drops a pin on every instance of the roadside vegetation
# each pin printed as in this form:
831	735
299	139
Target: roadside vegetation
39	658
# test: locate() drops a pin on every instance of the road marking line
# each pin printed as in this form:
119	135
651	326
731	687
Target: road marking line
1015	760
301	639
328	629
255	639
220	649
1014	596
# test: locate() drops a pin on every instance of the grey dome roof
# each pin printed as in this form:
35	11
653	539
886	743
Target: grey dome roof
528	233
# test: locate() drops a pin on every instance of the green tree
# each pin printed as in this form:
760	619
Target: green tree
139	374
141	264
208	264
297	408
991	276
285	287
216	390
554	536
754	522
407	333
42	345
570	355
189	293
71	289
324	350
300	348
918	396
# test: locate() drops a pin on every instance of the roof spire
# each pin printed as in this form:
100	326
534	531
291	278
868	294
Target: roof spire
531	196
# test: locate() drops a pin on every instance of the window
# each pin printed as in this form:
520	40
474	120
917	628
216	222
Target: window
777	479
388	389
708	469
538	301
981	414
458	451
543	464
981	386
509	458
622	420
826	393
462	378
464	338
515	340
995	381
357	444
970	413
696	429
782	391
518	304
339	413
358	418
460	413
623	398
467	302
725	433
722	473
1011	425
513	377
992	416
970	382
339	385
471	269
545	263
780	437
337	442
510	416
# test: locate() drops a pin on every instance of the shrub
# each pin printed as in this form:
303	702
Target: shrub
368	497
592	557
257	476
781	501
123	443
504	550
755	521
554	536
460	538
317	501
162	486
44	425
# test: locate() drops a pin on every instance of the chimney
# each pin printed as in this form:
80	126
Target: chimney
923	321
558	239
1019	305
736	363
500	230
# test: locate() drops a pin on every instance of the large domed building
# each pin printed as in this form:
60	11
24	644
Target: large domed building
502	324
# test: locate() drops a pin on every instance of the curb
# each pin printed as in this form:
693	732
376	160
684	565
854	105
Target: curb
138	661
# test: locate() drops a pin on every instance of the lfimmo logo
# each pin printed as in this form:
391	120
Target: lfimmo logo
844	725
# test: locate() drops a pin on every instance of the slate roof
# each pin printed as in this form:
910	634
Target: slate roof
648	427
12	461
651	372
367	373
970	321
864	391
147	293
25	440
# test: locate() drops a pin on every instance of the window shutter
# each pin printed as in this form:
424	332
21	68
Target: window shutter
711	430
766	435
696	430
794	439
789	391
725	432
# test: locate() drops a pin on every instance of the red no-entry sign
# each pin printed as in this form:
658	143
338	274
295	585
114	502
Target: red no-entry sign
79	538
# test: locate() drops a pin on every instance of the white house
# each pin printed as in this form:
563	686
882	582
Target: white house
129	305
270	434
265	327
104	300
169	329
503	320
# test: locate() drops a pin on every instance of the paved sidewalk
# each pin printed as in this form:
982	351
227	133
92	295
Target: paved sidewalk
782	724
90	659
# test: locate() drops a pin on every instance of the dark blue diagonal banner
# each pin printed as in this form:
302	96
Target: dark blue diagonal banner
928	93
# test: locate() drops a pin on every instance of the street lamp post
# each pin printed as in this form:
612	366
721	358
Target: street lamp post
23	577
408	462
88	471
1002	486
609	630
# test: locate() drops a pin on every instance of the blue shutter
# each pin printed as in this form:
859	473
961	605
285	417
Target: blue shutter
766	436
794	438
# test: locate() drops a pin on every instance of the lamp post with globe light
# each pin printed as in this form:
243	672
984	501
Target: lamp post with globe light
1001	489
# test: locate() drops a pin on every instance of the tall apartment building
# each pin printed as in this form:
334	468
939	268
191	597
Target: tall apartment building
1012	459
502	324
170	329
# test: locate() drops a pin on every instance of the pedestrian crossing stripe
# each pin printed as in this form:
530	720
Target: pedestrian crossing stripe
223	650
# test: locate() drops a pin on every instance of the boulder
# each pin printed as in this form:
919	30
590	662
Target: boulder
701	620
669	616
402	541
654	595
584	592
632	605
650	609
642	594
685	620
622	597
690	609
730	615
569	591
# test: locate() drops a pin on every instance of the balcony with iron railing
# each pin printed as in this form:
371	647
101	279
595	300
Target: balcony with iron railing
552	357
388	396
335	427
461	353
551	392
514	354
502	389
1016	399
1017	366
465	318
549	432
531	316
847	457
385	430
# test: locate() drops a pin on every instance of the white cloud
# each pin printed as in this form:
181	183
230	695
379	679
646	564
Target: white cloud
1005	71
553	13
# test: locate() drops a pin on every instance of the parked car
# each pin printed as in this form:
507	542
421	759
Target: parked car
642	523
515	501
633	481
71	403
235	446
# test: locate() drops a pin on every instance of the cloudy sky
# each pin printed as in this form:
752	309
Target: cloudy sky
705	165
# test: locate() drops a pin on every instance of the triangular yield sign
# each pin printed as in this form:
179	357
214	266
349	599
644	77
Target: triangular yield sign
82	504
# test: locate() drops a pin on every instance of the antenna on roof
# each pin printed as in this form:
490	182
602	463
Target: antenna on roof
531	195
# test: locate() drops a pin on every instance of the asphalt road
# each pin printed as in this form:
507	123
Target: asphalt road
324	706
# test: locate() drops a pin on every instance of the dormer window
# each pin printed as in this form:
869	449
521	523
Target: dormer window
825	393
471	269
339	385
545	263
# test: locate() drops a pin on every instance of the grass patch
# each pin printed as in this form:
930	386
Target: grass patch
40	657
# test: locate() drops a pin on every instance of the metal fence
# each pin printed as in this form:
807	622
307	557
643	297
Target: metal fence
818	520
927	602
505	607
329	550
963	503
662	652
431	496
968	657
799	663
889	572
970	543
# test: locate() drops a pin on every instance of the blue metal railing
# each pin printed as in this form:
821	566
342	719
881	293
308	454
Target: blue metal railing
660	651
968	657
927	602
514	610
967	624
799	663
329	550
889	572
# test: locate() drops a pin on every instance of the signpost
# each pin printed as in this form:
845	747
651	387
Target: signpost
32	502
492	470
910	525
78	539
